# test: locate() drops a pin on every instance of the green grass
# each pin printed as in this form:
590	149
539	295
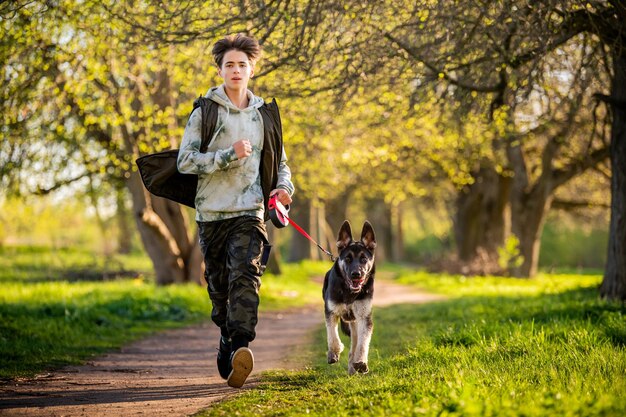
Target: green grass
56	309
495	347
47	324
294	287
29	264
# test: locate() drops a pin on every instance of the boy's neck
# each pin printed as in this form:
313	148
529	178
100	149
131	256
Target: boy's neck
238	97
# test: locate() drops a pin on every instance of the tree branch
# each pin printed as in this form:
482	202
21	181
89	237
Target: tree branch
621	104
561	176
568	205
44	191
431	66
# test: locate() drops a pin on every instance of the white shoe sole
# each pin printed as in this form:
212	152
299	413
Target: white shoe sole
242	362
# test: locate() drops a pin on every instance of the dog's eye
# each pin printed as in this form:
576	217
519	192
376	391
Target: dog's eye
348	259
363	259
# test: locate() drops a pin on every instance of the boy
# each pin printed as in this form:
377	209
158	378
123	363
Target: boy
244	164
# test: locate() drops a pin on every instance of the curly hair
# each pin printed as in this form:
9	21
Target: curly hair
239	42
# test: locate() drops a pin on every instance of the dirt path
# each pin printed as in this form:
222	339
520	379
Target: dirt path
172	373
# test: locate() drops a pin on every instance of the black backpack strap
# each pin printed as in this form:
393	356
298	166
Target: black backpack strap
209	119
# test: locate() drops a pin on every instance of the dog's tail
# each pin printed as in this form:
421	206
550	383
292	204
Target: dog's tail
345	328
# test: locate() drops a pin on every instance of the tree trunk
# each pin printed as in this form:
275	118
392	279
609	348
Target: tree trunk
529	206
337	212
194	261
325	235
300	247
614	283
157	238
273	263
175	219
528	216
313	230
379	215
481	217
125	236
398	252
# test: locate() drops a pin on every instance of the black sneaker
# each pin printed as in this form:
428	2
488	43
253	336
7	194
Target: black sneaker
223	358
242	362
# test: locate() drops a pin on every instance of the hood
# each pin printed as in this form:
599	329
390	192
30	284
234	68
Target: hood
218	95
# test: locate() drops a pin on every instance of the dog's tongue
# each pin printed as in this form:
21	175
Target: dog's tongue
356	284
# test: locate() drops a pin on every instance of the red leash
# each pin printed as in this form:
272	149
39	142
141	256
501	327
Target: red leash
280	218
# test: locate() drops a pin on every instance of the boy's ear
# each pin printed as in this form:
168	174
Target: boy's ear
345	236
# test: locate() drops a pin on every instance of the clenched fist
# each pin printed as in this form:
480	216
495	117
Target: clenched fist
243	148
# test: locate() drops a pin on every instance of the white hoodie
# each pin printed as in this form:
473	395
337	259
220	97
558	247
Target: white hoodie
227	186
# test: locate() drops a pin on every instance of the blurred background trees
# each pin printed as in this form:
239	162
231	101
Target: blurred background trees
462	132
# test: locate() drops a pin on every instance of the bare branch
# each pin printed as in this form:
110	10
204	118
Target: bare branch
43	191
569	205
561	176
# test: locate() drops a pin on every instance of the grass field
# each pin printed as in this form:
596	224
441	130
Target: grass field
495	347
61	307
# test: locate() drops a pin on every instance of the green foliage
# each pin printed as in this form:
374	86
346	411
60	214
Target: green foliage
42	221
365	92
573	246
426	231
509	255
61	306
498	347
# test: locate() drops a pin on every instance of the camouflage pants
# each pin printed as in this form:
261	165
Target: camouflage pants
232	250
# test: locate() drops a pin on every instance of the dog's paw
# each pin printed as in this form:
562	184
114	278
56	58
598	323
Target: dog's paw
333	357
360	367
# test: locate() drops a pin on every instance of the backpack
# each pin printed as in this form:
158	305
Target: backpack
159	171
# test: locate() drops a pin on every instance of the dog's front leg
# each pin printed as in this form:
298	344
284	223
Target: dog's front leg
335	347
364	327
354	342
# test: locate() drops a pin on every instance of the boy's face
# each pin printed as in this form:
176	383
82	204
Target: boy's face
236	69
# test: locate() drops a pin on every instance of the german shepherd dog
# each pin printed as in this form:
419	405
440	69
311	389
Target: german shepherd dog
348	291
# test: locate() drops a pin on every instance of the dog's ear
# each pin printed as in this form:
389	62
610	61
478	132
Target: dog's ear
345	236
367	236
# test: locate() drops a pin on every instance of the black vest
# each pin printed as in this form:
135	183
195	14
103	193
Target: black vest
272	151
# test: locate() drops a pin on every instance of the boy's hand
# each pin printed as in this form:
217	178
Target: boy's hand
242	148
282	196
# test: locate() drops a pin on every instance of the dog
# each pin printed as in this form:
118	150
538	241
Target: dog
348	293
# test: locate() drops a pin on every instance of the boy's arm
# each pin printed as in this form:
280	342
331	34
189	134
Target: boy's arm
191	160
284	179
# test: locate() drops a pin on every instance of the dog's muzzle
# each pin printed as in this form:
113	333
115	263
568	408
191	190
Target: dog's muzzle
356	282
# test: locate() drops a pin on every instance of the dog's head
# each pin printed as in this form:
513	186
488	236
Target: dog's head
356	258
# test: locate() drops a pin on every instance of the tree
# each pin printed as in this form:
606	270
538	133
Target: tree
501	52
116	82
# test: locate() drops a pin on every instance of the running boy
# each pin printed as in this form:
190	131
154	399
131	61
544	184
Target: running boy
244	165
